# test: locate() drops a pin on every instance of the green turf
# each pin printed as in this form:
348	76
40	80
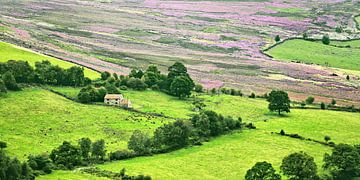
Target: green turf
147	101
36	111
69	175
34	121
317	53
226	157
12	52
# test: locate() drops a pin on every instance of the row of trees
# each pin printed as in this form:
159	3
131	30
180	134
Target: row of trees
14	72
12	168
182	133
343	163
177	82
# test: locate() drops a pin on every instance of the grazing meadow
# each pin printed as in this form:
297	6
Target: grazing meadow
316	53
12	52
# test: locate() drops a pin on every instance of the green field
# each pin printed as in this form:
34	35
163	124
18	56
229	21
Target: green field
147	101
69	175
226	157
12	52
234	154
317	53
35	121
34	111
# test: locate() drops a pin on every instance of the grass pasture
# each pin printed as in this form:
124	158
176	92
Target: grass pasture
12	52
43	120
35	121
69	175
235	153
146	101
226	157
317	53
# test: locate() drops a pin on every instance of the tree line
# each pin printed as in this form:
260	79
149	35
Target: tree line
14	72
177	83
342	164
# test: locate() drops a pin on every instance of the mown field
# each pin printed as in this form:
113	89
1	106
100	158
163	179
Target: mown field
12	52
318	53
35	121
69	175
237	152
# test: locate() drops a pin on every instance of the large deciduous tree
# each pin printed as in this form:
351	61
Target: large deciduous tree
299	166
279	101
343	162
262	171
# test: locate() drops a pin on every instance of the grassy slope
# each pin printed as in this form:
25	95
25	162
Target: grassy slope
69	175
35	121
313	52
12	52
233	153
226	157
236	153
147	101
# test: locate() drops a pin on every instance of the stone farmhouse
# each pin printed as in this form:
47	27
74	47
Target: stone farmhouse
117	100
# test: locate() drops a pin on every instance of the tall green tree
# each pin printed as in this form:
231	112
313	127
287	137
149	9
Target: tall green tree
10	81
262	171
3	89
140	143
98	150
299	166
279	101
66	155
343	162
85	147
181	86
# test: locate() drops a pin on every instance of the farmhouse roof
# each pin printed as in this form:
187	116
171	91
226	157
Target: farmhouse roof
113	96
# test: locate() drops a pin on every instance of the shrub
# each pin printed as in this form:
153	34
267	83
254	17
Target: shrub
140	143
325	40
282	132
333	102
10	82
136	84
310	100
252	95
41	163
277	38
198	88
105	75
322	105
66	155
327	138
120	155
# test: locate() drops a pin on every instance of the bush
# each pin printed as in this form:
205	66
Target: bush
198	88
252	95
136	84
140	143
310	100
282	132
10	82
120	155
325	40
41	163
322	105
